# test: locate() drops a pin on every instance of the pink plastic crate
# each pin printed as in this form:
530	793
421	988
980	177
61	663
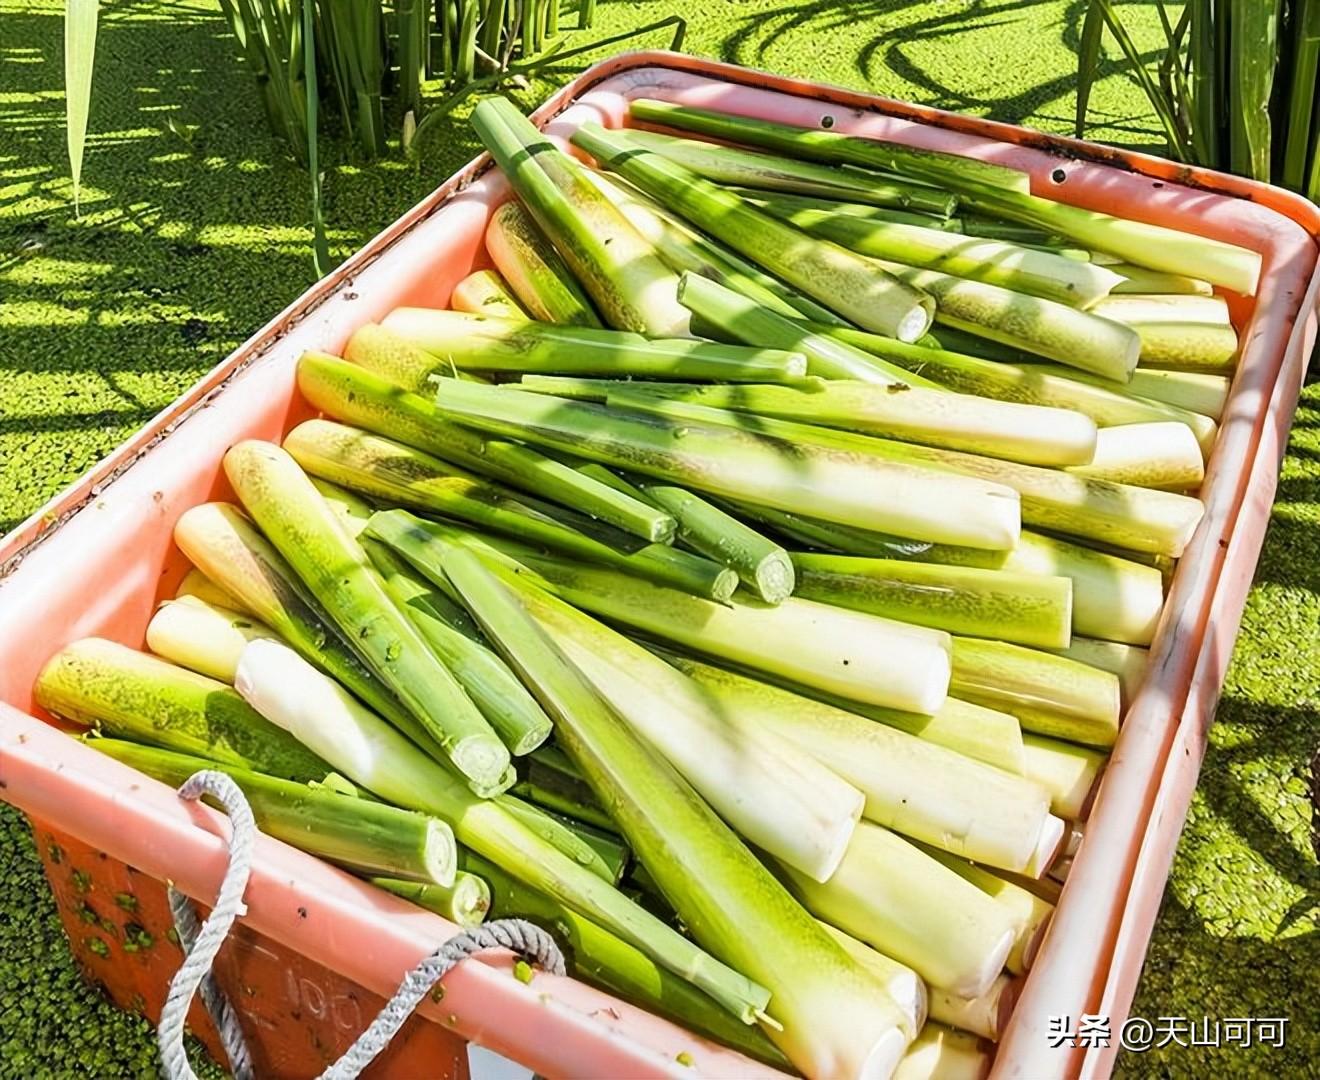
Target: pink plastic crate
99	556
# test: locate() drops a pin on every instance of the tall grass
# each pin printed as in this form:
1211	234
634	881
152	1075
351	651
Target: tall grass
369	66
1234	87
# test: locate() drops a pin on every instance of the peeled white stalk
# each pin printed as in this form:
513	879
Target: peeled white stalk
1030	914
902	902
1139	279
785	802
940	1053
198	585
902	983
913	787
715	459
320	714
855	655
1198	391
1080	339
985	1015
1034	434
1128	662
202	637
1048	846
1069	772
1177	331
1162	455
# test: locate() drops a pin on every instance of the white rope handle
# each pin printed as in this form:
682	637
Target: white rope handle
201	946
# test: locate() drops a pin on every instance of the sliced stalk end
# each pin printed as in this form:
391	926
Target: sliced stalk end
439	856
775	578
1052	836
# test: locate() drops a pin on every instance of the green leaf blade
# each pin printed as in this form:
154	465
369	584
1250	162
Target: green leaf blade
80	17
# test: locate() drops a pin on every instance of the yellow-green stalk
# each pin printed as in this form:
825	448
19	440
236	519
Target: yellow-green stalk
911	786
452	340
127	694
1140	519
292	694
630	286
729	165
1151	246
276	491
1180	332
533	270
904	903
833	484
484	292
464	903
398	475
1108	403
1067	771
1032	434
362	835
1162	455
1049	694
1026	609
830	1017
842	280
222	542
355	395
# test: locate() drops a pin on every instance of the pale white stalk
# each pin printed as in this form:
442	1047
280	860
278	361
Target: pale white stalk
1029	913
202	637
1069	772
327	719
198	585
850	653
1047	847
1198	391
785	802
1162	455
901	901
1033	434
1128	662
902	983
1138	279
986	1014
940	1053
911	786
